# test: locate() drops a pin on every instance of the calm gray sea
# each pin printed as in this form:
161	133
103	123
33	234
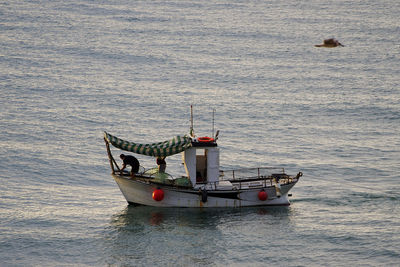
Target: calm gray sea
70	70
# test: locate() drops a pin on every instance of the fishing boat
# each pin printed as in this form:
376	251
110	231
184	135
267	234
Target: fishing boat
204	184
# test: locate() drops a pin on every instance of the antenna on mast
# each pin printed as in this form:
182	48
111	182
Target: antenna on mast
217	133
191	121
213	122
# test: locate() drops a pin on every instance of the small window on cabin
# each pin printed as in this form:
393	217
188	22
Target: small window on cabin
201	152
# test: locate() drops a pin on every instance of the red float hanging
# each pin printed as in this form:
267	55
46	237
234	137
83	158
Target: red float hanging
158	194
262	195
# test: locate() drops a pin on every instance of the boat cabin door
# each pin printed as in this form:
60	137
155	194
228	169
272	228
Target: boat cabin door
201	166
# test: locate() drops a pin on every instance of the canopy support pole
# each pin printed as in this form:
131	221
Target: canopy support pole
111	158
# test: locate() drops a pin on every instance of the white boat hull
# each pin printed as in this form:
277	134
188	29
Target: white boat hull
140	192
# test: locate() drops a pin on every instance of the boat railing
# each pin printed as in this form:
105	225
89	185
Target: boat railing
266	175
248	173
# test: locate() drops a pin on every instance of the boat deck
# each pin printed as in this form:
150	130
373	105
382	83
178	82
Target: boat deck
229	180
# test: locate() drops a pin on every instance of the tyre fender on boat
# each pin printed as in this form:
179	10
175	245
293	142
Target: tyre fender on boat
203	196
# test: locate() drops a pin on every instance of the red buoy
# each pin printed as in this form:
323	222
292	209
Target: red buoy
262	195
158	194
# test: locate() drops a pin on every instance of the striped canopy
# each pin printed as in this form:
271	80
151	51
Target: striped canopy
161	149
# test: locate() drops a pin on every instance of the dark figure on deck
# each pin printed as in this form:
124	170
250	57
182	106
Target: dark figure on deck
132	161
161	164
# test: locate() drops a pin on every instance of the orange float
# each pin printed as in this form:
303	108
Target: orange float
205	139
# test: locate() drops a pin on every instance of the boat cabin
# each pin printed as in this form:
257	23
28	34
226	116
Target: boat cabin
201	164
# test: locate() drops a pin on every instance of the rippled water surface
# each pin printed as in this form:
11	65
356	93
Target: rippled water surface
70	70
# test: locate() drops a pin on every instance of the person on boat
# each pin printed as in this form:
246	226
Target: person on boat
161	164
132	161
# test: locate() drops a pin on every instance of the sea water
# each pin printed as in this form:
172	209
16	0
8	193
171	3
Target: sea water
70	70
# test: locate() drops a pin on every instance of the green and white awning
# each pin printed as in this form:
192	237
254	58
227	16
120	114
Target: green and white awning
160	149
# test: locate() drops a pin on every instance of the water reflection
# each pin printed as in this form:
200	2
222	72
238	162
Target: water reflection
147	235
198	218
164	217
